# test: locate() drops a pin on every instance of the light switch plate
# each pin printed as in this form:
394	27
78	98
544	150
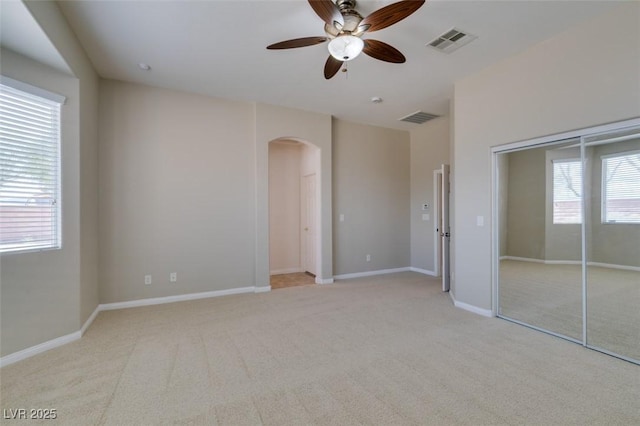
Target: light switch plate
480	220
425	216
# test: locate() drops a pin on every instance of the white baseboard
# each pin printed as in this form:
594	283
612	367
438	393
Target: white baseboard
572	262
522	259
285	271
89	320
176	298
471	308
422	271
264	289
324	280
370	273
613	266
563	262
37	349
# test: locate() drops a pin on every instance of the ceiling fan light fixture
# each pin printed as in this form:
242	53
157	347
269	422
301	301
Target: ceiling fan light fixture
346	47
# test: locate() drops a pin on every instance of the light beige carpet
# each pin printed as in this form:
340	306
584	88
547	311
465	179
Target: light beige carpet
550	297
387	350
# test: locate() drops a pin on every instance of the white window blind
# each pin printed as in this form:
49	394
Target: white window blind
621	188
29	171
567	190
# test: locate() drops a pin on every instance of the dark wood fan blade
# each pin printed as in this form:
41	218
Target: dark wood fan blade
383	51
391	14
327	11
297	42
332	67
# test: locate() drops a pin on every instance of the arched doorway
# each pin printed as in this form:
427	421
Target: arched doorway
294	212
276	123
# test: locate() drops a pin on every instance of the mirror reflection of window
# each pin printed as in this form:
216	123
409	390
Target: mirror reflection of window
621	188
567	190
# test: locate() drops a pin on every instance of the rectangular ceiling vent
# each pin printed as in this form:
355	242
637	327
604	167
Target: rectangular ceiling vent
419	117
452	40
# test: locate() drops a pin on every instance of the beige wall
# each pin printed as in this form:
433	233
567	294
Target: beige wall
55	26
49	294
575	80
176	192
285	164
429	148
531	232
526	204
371	188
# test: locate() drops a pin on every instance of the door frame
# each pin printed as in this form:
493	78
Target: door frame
303	235
445	233
437	216
438	225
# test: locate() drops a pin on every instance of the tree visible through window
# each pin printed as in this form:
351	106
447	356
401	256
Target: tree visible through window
621	188
567	191
29	172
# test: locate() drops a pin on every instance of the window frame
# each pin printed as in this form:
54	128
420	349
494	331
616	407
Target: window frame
603	188
56	101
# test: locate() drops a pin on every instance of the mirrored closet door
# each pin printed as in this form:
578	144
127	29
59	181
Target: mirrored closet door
612	162
568	238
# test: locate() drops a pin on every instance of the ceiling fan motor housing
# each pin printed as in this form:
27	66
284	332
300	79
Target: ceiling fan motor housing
345	5
350	16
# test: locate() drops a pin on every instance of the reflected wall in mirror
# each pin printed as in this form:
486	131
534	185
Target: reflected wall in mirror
540	214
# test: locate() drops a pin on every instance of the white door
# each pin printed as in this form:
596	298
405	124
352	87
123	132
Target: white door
444	230
308	222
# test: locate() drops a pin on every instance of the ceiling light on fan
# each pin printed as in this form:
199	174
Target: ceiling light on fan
346	47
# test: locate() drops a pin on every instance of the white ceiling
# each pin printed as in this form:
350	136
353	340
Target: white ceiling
218	48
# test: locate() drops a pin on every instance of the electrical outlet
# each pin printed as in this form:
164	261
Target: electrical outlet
147	279
173	277
368	258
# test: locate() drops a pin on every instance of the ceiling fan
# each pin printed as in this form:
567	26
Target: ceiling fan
344	28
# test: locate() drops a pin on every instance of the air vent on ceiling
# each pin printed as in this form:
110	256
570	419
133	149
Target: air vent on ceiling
452	40
419	117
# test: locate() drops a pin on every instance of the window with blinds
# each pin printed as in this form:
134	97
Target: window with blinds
567	190
29	170
621	188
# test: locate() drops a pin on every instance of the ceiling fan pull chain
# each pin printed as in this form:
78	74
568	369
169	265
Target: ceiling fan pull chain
345	71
